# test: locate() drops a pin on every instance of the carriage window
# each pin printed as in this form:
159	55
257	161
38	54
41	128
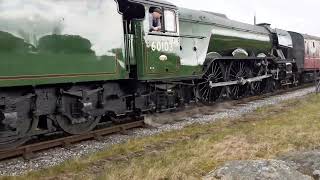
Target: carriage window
170	21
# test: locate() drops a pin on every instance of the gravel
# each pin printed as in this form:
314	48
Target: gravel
56	156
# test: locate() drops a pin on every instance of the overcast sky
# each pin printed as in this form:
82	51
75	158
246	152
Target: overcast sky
301	16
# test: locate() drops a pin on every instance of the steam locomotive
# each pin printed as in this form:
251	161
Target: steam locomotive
73	65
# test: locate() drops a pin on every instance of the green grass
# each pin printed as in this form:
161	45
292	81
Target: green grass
192	152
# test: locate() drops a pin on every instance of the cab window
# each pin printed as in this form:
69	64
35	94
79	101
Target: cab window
170	21
162	20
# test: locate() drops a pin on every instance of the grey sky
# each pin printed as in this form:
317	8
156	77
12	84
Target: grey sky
301	16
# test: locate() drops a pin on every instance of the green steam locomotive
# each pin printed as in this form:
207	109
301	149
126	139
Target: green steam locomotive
71	65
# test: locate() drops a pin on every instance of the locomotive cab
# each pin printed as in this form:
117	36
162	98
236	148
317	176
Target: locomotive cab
156	50
151	54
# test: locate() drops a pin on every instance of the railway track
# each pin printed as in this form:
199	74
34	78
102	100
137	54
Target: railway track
28	151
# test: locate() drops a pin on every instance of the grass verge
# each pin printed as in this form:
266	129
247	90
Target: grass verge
192	152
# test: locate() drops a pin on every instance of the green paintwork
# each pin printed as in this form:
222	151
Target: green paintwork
222	35
203	31
44	44
67	41
150	67
225	45
148	63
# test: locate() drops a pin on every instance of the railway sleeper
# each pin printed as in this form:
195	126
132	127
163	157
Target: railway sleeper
28	154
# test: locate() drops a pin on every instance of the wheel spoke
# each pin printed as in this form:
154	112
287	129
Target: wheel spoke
203	95
203	87
215	72
213	68
234	72
205	76
218	76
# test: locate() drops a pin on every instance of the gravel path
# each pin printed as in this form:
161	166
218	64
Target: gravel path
56	156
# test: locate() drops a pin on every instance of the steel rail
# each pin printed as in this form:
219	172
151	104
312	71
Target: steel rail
28	151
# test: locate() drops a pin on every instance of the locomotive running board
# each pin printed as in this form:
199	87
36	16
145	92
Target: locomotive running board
240	81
